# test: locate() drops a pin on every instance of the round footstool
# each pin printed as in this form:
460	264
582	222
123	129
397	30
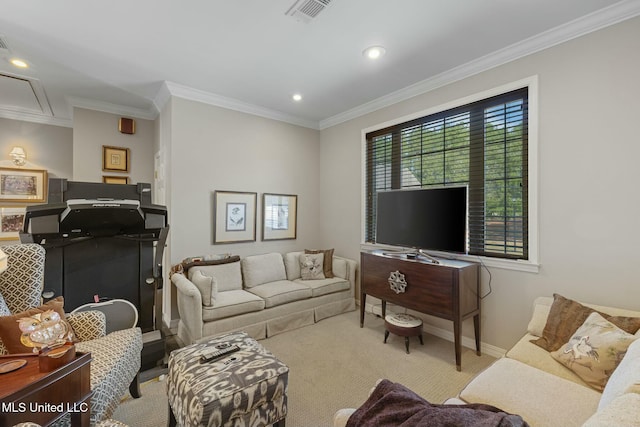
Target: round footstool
404	325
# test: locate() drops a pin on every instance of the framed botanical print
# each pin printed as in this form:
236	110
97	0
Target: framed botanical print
279	216
23	185
115	159
11	222
115	179
234	217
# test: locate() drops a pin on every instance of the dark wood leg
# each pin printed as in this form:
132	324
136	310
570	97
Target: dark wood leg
384	309
279	423
456	338
386	335
421	341
476	327
171	419
363	300
134	387
406	343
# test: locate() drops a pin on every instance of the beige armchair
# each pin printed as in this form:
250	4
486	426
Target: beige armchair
115	356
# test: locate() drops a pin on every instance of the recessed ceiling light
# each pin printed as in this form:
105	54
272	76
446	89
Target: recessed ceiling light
19	63
374	52
297	97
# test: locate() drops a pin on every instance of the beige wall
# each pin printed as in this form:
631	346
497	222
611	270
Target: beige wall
213	149
588	177
93	129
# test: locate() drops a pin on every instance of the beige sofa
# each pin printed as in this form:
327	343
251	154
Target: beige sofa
531	383
262	295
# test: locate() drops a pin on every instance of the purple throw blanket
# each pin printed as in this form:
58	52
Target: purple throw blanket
393	405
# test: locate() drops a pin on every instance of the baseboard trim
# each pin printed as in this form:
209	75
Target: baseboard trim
488	349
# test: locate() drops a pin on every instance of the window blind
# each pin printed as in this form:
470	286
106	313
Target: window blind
482	145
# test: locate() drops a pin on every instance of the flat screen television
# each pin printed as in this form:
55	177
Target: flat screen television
423	219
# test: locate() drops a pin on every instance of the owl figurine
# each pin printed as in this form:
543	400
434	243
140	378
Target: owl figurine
43	330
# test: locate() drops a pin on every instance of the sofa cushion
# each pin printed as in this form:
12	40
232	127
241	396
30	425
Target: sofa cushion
311	266
625	378
292	264
265	268
281	292
227	276
325	286
207	286
232	303
595	350
537	396
327	261
566	316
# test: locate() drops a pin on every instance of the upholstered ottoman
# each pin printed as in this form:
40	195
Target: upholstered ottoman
404	325
245	388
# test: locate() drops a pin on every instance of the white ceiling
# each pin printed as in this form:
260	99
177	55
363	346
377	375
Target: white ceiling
127	57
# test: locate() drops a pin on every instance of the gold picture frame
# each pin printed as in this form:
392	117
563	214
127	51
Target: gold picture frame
11	222
115	159
23	185
110	179
234	215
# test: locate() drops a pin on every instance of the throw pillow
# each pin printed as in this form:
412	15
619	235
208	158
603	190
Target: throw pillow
566	316
10	332
595	350
207	286
626	377
311	266
327	263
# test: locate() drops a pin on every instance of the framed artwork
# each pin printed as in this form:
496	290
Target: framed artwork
115	159
11	222
279	219
234	217
115	179
23	185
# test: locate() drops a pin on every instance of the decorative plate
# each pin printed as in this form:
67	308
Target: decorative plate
12	366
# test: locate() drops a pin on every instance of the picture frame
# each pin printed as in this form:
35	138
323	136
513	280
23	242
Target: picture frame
23	185
115	159
279	216
11	222
234	217
110	179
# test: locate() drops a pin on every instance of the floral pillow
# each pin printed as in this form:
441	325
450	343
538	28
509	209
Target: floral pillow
595	350
311	266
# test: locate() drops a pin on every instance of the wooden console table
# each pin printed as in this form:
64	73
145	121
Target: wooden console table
27	394
449	290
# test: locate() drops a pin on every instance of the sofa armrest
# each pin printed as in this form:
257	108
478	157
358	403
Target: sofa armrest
345	268
88	325
622	411
189	304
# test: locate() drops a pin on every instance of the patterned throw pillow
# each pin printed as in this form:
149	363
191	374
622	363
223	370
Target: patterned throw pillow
327	262
4	310
595	350
10	332
311	266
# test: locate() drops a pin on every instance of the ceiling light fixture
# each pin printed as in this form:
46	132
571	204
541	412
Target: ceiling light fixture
297	97
374	52
19	63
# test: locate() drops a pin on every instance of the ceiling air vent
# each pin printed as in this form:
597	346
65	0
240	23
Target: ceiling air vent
3	45
307	10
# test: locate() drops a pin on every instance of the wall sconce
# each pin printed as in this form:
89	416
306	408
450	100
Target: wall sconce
19	156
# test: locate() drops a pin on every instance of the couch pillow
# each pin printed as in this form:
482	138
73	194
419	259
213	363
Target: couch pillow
261	269
4	309
228	276
10	332
311	266
327	263
626	377
566	316
207	286
595	350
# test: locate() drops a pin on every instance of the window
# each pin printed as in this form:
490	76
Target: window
484	145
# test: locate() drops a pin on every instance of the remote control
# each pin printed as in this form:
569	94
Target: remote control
223	351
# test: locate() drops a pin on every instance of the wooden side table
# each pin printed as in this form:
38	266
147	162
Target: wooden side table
27	394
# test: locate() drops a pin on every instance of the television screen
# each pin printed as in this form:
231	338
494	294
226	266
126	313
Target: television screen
434	219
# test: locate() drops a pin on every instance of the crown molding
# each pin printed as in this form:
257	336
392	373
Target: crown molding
35	118
192	94
107	107
595	21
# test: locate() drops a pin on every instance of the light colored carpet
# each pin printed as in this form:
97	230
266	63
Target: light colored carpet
334	364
